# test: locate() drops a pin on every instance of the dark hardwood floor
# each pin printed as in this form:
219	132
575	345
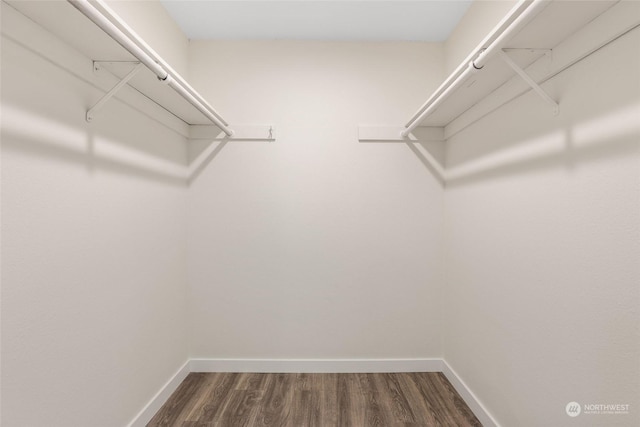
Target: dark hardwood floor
319	400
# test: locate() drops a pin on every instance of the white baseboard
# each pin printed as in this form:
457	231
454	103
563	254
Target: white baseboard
469	398
316	365
154	405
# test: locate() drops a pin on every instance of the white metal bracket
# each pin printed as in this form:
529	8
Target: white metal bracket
535	86
98	105
394	133
240	133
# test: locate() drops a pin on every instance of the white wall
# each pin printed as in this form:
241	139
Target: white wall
481	17
151	21
316	245
543	244
93	244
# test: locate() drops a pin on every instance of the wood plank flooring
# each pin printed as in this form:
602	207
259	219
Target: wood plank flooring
318	400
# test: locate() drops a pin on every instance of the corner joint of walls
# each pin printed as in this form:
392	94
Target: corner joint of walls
150	409
478	409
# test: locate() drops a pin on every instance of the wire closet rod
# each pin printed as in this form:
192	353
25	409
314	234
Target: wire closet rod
130	41
125	28
481	55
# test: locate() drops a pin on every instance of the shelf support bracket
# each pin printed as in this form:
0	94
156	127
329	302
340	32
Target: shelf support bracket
98	105
240	133
535	86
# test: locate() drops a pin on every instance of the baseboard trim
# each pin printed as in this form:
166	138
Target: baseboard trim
469	398
316	365
154	405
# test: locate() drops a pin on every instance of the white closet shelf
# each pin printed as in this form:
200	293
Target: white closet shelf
524	40
67	23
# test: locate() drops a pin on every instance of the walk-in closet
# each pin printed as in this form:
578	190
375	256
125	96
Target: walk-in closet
320	213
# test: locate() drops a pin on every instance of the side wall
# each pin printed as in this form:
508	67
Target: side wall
476	23
543	243
93	244
153	23
315	246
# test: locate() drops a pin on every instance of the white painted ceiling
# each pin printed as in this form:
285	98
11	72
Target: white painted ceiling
344	20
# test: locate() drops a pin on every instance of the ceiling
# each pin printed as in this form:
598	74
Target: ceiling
338	20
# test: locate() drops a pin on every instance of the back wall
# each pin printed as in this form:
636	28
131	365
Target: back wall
315	245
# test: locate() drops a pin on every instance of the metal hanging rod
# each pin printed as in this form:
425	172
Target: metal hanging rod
481	55
125	28
118	30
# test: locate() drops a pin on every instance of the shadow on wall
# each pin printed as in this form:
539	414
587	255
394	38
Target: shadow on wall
551	145
43	110
429	152
204	153
86	148
544	142
598	120
431	158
